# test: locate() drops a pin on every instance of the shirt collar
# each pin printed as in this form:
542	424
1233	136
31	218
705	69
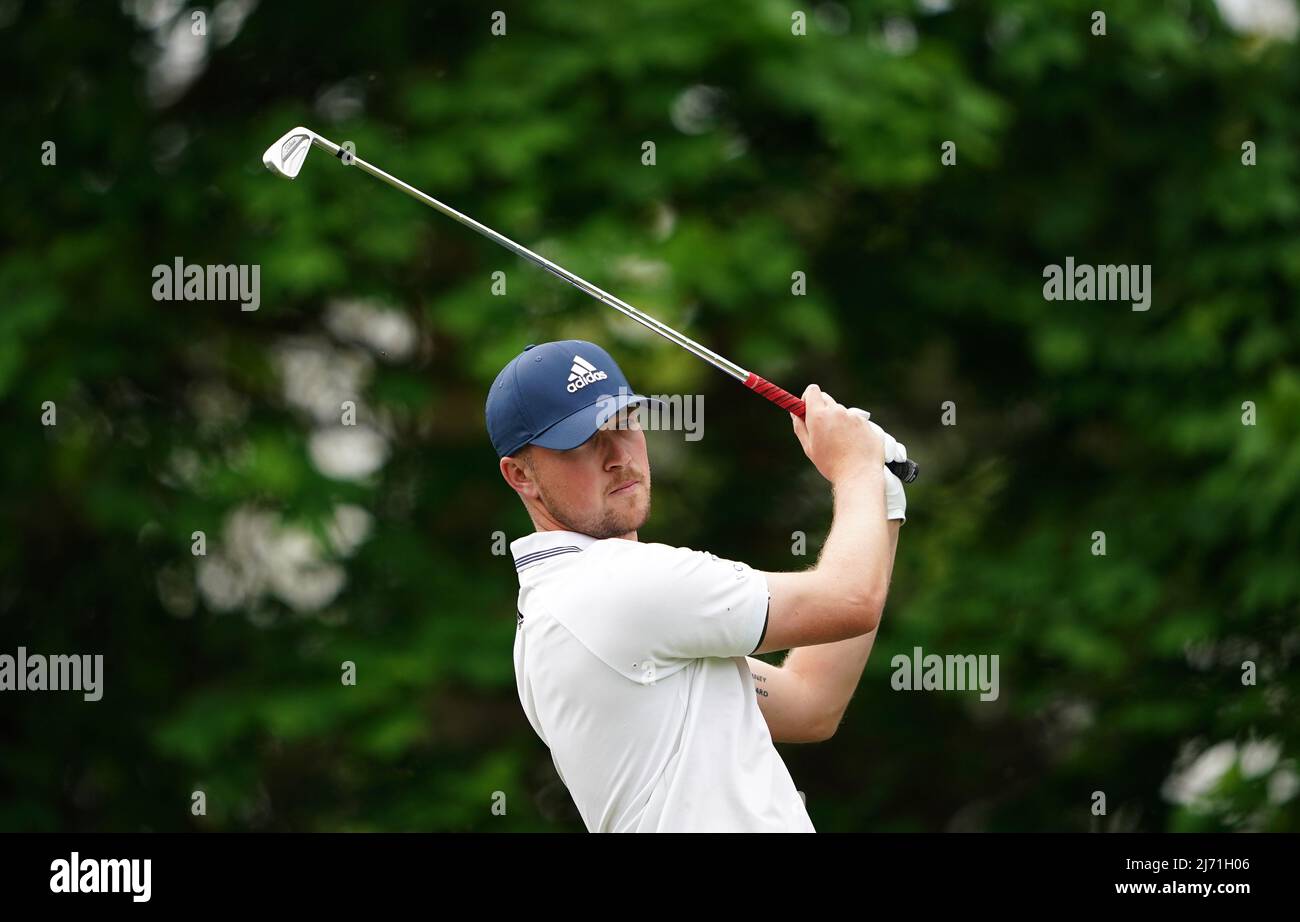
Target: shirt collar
543	545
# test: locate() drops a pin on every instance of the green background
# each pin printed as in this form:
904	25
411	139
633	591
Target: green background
775	153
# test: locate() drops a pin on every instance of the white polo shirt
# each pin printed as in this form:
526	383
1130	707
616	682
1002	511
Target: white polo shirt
630	665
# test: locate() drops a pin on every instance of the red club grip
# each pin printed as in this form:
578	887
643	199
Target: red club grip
779	396
904	470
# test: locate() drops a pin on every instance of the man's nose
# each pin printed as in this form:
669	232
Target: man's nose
616	453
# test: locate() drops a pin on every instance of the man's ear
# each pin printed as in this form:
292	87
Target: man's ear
518	472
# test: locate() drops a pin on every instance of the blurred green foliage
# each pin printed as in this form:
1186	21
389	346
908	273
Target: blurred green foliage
775	153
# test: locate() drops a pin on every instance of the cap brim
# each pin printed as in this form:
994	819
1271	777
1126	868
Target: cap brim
576	428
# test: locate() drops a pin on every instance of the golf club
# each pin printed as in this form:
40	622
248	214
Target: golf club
285	158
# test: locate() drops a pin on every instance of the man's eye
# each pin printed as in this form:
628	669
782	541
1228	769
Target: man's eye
623	420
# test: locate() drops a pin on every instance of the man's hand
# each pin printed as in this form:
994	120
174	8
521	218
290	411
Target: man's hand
839	443
895	498
894	450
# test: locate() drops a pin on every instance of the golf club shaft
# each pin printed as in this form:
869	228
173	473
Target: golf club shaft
905	470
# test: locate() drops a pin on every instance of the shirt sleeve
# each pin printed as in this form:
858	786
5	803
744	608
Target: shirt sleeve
675	603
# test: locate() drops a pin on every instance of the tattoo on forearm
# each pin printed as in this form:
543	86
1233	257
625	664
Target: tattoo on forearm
759	678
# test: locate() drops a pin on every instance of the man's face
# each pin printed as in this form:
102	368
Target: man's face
601	488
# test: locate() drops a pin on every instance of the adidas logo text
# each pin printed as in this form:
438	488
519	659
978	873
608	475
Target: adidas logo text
582	374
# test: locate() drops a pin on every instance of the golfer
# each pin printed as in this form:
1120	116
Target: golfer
634	661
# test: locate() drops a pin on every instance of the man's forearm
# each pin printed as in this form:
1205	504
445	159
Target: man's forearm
858	554
831	671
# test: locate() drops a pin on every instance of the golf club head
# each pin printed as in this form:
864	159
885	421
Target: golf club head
285	156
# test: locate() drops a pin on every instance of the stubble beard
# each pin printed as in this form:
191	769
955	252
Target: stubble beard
611	523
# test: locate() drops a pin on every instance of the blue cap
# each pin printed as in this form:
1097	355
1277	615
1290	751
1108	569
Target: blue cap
556	395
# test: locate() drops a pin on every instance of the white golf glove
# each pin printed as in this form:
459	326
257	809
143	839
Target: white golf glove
895	498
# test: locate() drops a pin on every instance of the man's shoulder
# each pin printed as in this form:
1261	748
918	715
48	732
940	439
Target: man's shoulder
612	565
614	548
616	571
622	571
